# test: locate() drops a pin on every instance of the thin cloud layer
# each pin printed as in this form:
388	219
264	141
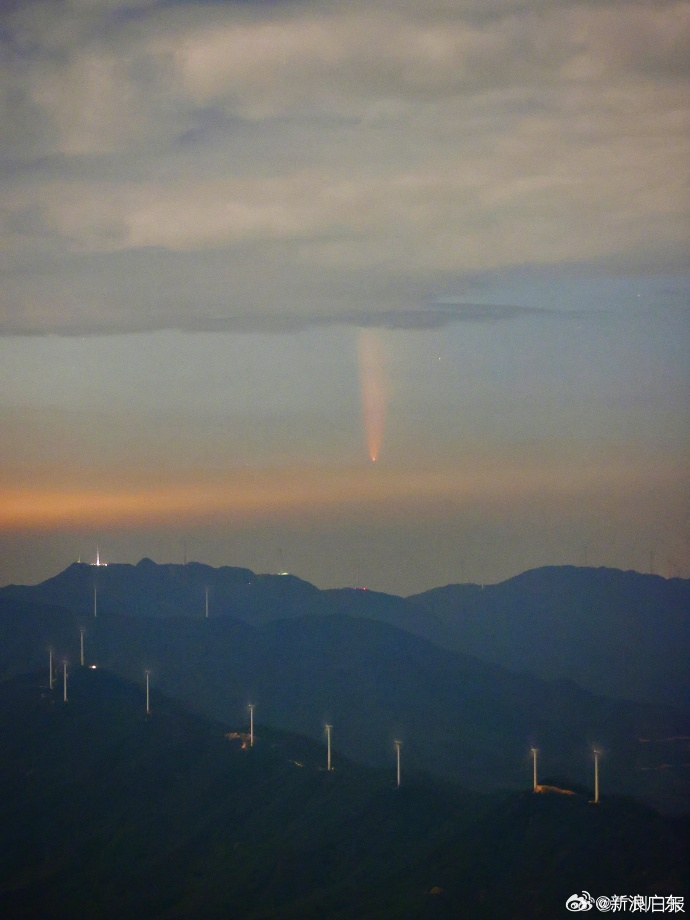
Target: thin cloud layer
271	166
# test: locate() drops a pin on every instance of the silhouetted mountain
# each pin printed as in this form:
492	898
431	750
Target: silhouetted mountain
456	715
616	633
108	813
148	589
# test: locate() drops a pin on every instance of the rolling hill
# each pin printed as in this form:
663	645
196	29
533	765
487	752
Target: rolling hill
457	716
615	633
107	812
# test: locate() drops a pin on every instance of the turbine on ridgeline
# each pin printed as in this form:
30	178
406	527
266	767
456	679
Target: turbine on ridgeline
329	728
596	753
533	751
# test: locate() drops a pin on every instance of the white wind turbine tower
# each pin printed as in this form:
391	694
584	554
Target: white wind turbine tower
596	776
148	707
397	755
329	728
534	768
251	724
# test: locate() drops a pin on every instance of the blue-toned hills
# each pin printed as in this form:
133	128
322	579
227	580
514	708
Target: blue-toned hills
107	813
361	661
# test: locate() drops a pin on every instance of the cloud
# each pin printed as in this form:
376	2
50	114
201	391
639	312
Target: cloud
322	162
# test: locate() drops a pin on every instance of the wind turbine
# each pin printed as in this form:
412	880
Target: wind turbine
64	680
148	707
534	768
397	754
596	776
251	724
329	728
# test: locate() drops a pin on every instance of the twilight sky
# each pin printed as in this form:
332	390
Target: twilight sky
246	246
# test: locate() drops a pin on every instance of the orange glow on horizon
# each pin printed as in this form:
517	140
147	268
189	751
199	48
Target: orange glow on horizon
309	491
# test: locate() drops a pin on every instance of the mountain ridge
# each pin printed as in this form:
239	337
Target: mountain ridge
107	812
457	715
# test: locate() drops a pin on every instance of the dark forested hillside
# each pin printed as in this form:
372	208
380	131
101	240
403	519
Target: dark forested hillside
106	812
456	715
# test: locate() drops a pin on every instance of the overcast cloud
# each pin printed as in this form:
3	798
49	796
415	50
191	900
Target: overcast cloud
271	165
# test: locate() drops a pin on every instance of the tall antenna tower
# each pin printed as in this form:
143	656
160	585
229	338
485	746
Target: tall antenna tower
81	646
251	724
534	768
64	680
329	728
397	755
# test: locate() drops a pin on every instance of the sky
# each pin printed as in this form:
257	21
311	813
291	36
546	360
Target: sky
390	294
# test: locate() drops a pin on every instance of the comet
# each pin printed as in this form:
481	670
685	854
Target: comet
374	389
